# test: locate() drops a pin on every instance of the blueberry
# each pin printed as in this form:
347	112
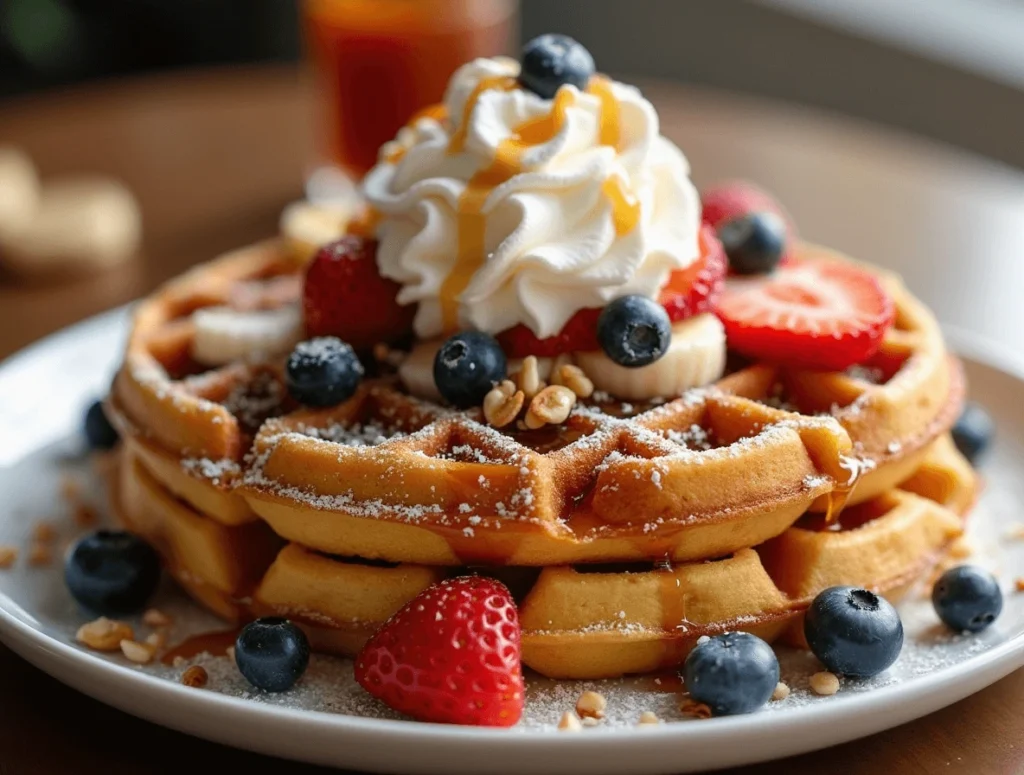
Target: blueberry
731	673
272	653
112	572
753	242
323	372
973	431
550	61
967	598
634	331
99	433
467	366
853	631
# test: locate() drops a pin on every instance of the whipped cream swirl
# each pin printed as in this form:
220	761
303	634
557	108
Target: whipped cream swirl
502	208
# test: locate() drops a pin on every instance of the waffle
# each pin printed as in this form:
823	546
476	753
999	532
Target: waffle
386	476
583	621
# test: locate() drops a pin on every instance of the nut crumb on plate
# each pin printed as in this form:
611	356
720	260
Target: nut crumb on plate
195	676
591	705
39	554
44	532
157	639
694	709
8	556
179	661
154	617
104	634
824	683
1019	584
648	717
140	653
781	691
569	722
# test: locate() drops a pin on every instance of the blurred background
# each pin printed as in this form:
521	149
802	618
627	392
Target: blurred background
951	70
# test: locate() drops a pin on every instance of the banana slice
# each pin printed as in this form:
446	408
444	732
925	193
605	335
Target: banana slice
306	226
696	357
224	335
417	370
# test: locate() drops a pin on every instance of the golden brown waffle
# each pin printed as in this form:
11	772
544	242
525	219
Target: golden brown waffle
586	621
389	477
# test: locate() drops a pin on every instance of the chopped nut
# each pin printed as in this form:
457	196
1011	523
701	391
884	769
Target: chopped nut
591	705
104	634
648	717
179	661
573	378
570	722
230	653
590	722
550	406
1019	584
154	617
44	532
781	691
8	556
39	554
528	378
694	709
157	639
196	677
824	683
137	652
85	516
503	404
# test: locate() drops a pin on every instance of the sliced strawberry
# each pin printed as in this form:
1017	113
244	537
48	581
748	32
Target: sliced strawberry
451	655
816	314
579	334
345	296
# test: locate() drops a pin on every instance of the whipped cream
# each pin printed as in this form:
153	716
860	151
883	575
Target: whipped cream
499	207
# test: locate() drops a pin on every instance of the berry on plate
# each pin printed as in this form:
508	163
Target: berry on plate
732	199
467	366
112	572
451	655
344	295
967	598
973	431
99	433
272	653
853	631
323	372
731	673
551	61
822	315
634	331
754	242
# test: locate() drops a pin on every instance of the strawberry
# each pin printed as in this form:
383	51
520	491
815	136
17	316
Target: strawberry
688	292
451	655
736	197
821	315
344	295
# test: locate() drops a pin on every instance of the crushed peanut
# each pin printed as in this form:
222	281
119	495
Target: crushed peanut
528	378
1019	584
230	653
503	404
825	684
573	377
781	691
157	639
694	709
648	717
179	661
44	532
591	705
154	617
104	634
196	677
550	406
590	722
39	554
569	722
140	653
8	556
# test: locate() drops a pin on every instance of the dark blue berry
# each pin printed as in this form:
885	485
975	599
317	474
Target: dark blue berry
467	366
634	331
99	433
973	432
731	673
323	372
967	598
112	572
551	61
753	242
853	631
272	653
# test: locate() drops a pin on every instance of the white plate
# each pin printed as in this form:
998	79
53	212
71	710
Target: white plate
43	392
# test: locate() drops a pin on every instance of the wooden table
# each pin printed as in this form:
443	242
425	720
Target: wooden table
214	156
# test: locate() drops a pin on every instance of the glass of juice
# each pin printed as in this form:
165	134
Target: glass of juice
374	63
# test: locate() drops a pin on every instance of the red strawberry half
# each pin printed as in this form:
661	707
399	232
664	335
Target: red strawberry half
451	655
345	296
816	314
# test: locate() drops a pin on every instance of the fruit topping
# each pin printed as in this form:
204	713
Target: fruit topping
754	242
272	653
579	334
732	673
551	61
696	289
967	598
736	198
112	572
467	366
819	315
634	331
451	655
99	433
853	631
973	432
344	295
323	372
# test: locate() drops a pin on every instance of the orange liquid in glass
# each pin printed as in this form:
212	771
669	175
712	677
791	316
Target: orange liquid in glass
377	62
